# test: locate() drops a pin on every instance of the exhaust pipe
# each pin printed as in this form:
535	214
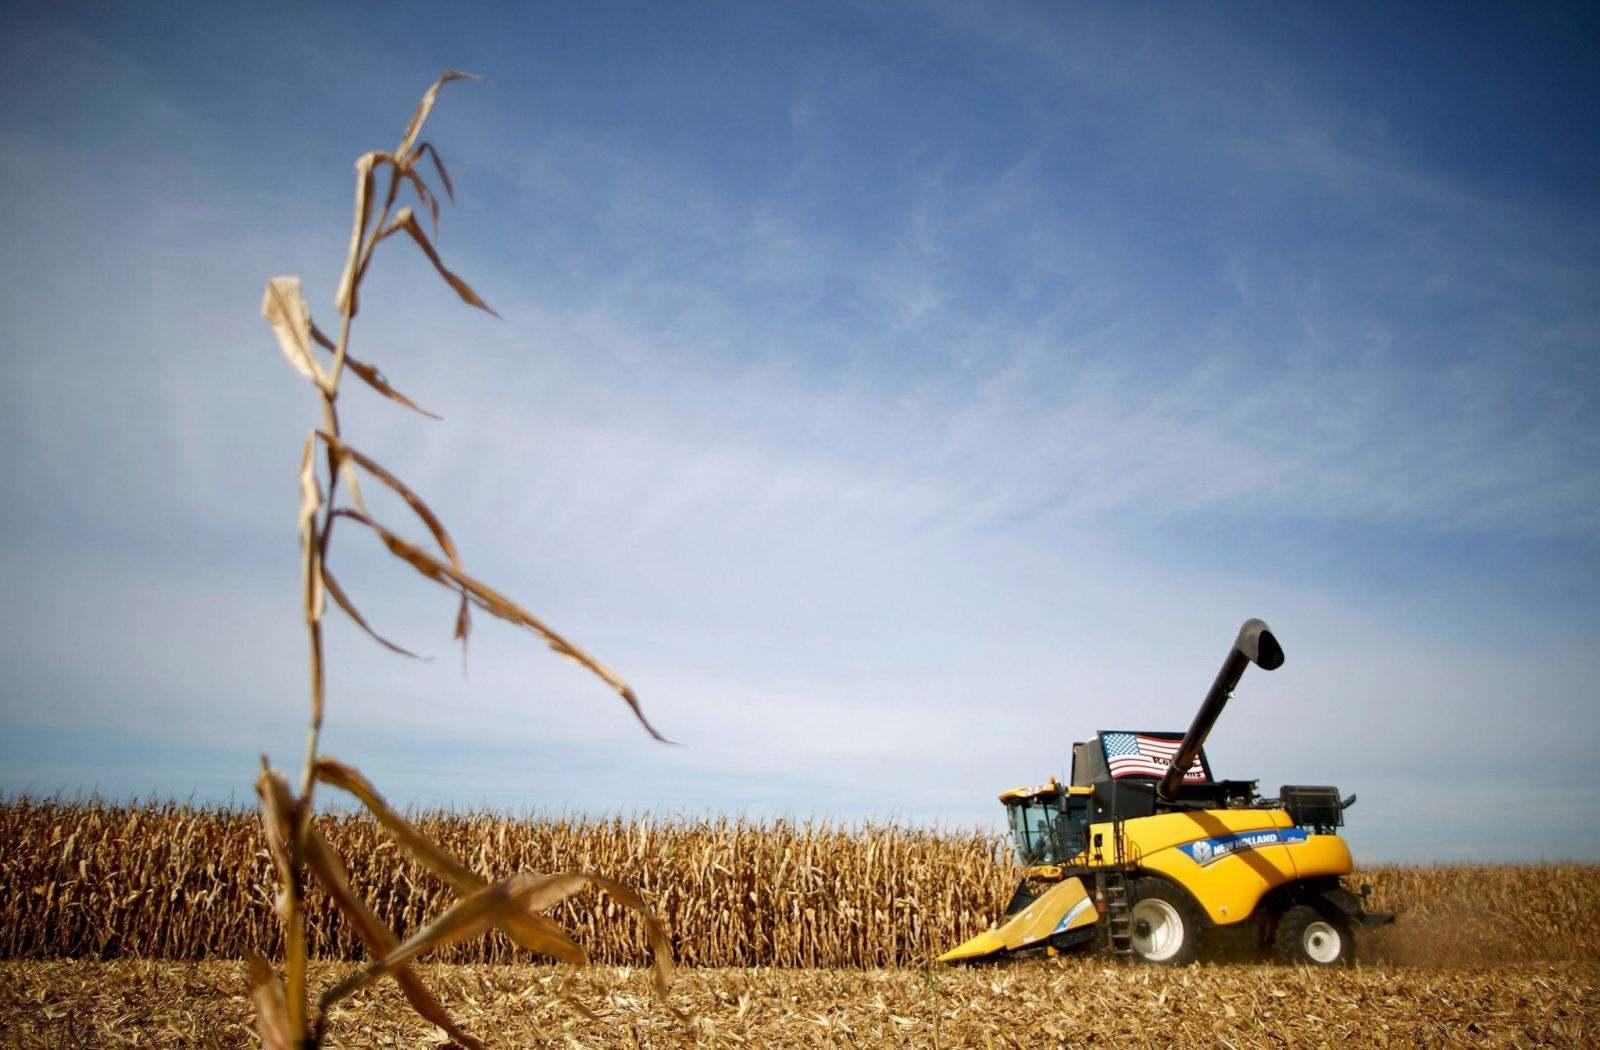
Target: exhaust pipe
1255	645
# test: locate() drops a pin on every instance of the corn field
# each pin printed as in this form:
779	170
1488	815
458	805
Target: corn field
172	882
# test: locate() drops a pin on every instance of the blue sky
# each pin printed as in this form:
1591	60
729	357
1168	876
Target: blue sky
893	393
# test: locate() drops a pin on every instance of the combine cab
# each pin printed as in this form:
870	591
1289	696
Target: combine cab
1145	853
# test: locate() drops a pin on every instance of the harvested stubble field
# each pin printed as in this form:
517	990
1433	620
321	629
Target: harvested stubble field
840	922
1054	1003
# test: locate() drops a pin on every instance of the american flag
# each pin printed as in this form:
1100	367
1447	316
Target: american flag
1144	755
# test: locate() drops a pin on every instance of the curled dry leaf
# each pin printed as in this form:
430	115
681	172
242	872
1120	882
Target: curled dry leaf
420	508
282	819
406	220
359	254
375	379
310	494
272	1015
424	196
655	930
370	375
487	598
425	106
284	307
404	170
399	488
277	815
318	676
355	259
463	624
380	941
348	779
438	166
343	601
466	918
311	573
531	932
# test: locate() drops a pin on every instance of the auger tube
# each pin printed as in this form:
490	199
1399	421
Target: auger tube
1255	645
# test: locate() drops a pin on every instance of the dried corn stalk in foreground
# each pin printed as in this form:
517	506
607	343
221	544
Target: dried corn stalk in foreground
515	904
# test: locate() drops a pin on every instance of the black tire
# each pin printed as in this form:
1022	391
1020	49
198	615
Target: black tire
1166	925
1309	937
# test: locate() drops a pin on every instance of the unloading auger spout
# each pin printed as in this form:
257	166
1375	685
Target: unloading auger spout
1255	645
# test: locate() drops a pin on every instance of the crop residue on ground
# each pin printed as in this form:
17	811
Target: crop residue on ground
1056	1003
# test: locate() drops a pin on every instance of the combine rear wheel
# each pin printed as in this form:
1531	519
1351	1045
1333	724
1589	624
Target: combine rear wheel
1166	930
1307	936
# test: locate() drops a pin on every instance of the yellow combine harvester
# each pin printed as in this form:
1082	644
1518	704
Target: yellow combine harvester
1143	854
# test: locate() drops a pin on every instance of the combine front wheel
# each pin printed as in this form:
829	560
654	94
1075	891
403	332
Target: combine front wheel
1166	930
1306	935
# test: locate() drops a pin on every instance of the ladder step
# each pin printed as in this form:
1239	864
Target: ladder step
1119	915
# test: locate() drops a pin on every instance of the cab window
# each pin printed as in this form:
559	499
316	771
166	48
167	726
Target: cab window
1049	829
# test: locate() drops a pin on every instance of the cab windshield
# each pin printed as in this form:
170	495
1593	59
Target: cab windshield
1047	829
1033	829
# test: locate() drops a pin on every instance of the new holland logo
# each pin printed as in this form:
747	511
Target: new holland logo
1207	851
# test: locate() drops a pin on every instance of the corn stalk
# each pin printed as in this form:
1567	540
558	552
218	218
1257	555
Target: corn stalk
287	1016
